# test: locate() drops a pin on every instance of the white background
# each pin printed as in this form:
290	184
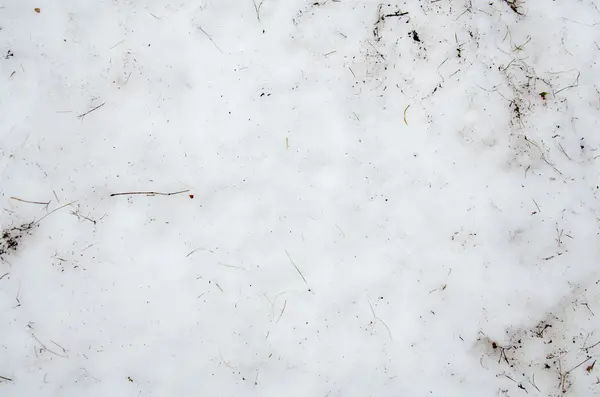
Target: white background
374	213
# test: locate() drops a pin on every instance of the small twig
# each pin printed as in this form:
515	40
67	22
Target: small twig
148	193
82	115
376	50
395	14
589	347
559	234
536	204
5	378
506	376
375	318
54	210
4	275
282	310
438	69
578	365
562	149
116	44
575	84
588	307
503	354
224	361
45	347
542	154
79	216
191	252
405	109
231	266
257	8
59	346
210	38
386	327
520	47
533	383
297	269
31	202
17	296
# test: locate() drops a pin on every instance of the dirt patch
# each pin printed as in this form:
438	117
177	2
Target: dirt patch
555	357
11	238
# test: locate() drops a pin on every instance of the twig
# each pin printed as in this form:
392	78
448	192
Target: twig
376	50
588	307
31	202
257	8
282	310
231	266
17	296
5	378
405	109
438	69
395	14
224	361
297	269
210	38
503	354
377	22
386	327
589	347
54	210
382	322
4	275
536	204
116	44
59	346
533	383
45	347
542	154
191	252
79	216
562	149
82	115
578	365
575	84
148	193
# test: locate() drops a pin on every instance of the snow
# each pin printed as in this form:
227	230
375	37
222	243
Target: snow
373	204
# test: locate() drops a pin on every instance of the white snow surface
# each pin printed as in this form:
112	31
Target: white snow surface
374	204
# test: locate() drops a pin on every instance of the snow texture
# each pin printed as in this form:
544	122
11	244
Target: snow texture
369	199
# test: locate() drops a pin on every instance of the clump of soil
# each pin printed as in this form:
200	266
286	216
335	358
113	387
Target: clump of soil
11	238
415	36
